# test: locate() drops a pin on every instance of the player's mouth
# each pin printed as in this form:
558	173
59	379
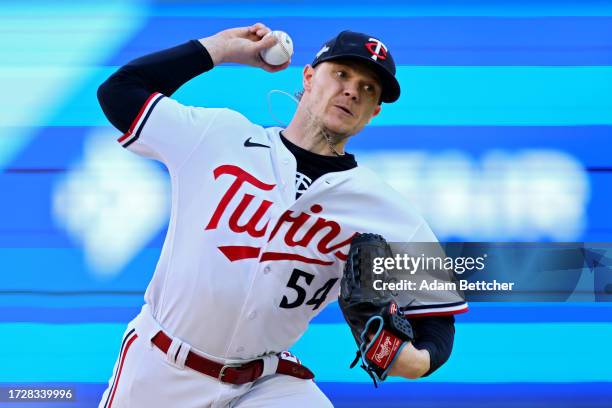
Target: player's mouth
344	109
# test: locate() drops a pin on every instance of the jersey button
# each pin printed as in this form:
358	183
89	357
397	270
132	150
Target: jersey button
285	161
267	269
252	315
240	349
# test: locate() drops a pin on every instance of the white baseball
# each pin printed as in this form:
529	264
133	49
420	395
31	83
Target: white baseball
280	52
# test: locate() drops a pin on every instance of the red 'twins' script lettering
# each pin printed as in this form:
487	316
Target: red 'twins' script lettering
241	177
295	222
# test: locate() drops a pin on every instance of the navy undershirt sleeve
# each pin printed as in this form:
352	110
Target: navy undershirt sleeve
123	94
436	335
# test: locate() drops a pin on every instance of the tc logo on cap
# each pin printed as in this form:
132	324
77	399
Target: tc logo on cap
377	49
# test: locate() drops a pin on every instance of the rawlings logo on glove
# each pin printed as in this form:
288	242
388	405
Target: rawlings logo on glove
371	314
385	348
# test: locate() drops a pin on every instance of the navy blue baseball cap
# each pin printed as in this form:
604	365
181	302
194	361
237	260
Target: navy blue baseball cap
363	47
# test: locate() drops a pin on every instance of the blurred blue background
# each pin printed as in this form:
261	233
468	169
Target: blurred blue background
503	132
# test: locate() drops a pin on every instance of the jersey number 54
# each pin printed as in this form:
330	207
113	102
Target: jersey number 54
317	298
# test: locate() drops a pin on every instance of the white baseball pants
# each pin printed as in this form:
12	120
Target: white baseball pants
145	377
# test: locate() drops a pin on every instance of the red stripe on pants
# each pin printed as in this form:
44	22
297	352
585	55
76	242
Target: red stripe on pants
127	347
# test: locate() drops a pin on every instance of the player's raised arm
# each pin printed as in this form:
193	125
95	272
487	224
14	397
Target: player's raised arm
136	98
125	92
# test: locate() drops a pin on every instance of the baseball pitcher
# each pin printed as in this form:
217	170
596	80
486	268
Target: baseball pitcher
263	222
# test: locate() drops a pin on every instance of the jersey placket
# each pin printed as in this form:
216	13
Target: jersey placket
283	167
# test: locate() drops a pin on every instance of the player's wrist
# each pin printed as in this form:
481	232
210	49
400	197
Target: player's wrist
411	363
215	49
382	352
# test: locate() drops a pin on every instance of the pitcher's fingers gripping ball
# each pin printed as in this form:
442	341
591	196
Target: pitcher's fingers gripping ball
372	315
280	52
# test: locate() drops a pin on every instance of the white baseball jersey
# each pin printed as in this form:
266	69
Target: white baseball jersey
245	266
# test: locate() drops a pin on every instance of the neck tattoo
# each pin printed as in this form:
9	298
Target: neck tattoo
331	145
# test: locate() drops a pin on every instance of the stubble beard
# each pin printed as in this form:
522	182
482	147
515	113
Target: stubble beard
318	130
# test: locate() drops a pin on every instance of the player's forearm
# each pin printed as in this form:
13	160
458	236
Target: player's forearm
122	95
411	363
167	70
431	349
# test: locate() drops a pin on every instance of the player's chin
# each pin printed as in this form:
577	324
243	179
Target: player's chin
340	126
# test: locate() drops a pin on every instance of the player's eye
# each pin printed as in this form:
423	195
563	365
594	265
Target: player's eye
370	90
341	74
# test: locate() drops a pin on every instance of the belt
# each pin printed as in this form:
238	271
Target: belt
232	373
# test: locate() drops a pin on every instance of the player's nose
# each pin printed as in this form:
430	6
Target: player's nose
351	90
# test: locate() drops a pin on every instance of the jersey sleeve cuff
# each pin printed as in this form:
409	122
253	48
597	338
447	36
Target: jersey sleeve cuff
135	129
435	310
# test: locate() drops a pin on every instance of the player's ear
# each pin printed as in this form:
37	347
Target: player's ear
375	113
307	75
377	110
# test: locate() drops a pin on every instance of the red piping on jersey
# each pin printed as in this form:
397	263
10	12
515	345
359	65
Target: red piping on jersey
135	121
446	313
127	347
